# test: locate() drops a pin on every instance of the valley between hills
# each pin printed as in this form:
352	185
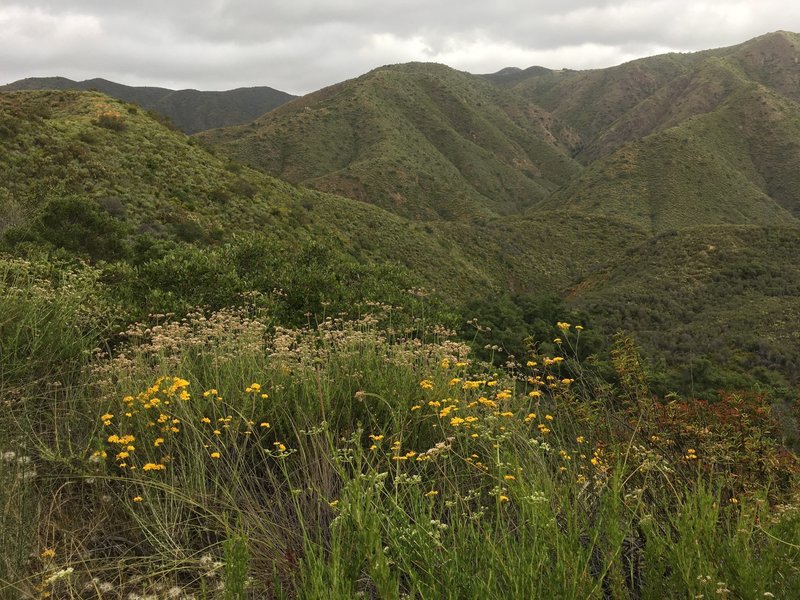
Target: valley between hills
639	224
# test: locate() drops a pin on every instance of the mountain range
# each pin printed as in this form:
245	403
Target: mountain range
660	196
189	110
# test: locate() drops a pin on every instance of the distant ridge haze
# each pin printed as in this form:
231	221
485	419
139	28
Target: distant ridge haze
190	110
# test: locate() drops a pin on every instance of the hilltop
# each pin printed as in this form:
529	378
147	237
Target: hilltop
190	110
422	140
656	92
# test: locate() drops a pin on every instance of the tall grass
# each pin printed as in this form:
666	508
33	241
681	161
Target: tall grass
221	457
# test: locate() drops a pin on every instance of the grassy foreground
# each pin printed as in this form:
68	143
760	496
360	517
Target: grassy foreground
221	456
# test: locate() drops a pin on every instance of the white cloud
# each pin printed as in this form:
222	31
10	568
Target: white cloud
302	45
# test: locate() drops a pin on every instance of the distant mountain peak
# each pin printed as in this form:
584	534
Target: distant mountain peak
191	110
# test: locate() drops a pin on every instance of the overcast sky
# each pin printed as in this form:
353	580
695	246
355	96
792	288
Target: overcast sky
302	45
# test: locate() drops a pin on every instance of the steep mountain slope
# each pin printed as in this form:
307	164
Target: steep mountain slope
590	101
190	110
739	163
422	140
772	60
607	107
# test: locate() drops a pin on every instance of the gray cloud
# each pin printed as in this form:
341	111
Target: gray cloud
302	45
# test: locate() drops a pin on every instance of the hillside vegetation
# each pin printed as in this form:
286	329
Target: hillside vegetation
421	140
422	334
103	180
669	143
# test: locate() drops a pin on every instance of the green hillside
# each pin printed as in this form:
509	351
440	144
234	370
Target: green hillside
670	143
669	181
101	179
590	101
415	335
422	140
608	107
739	163
441	179
190	110
716	302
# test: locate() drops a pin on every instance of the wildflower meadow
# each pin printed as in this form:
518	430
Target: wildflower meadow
219	455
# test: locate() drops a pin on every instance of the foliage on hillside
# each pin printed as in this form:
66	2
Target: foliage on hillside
670	181
421	140
149	197
215	384
101	180
719	303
